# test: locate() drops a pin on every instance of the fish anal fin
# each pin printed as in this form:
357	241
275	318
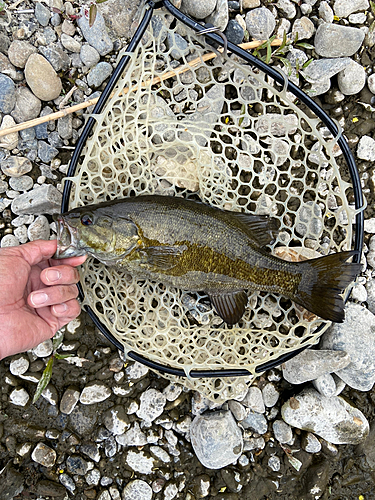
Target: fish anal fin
162	257
262	228
230	306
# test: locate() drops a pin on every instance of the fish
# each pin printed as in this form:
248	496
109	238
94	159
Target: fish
197	247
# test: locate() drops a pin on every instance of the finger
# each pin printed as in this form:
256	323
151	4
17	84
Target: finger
48	314
68	310
52	295
70	261
34	252
60	275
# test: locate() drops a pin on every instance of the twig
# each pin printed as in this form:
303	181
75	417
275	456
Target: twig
157	79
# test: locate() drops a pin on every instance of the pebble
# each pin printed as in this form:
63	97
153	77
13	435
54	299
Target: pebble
46	152
7	94
136	490
172	391
270	395
140	462
65	127
19	52
99	73
256	422
254	400
116	420
283	432
9	240
260	23
16	166
297	57
67	481
76	465
91	450
39	229
44	200
96	35
333	419
360	373
220	15
238	410
160	454
82	419
352	79
343	8
371	83
334	40
152	405
19	397
133	437
68	27
9	141
70	43
325	12
370	228
56	56
42	13
370	288
216	439
50	394
94	392
234	32
44	455
323	69
359	18
326	385
359	293
311	443
287	8
274	463
304	28
197	8
19	365
89	56
275	124
46	87
23	183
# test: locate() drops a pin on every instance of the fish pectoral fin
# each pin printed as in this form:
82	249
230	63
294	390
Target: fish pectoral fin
230	306
263	229
163	257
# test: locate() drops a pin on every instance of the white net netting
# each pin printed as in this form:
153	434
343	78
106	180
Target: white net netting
222	132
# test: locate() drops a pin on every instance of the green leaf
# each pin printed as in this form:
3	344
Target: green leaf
269	52
44	381
305	45
304	66
100	1
62	356
372	5
92	14
287	64
243	111
57	340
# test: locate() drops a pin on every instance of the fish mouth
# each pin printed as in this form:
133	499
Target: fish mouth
67	240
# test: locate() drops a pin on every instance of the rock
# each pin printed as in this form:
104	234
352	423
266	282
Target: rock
238	410
326	385
359	18
220	15
177	45
352	79
68	27
91	450
283	432
19	365
69	400
310	364
23	183
70	43
44	200
43	349
19	397
46	152
98	74
370	228
311	443
334	40
42	78
76	465
50	394
39	229
9	240
359	293
21	234
172	391
67	481
234	32
133	437
83	419
275	124
50	489
198	9
152	405
256	422
27	105
9	141
89	56
97	35
287	8
296	57
254	400
325	12
140	462
42	14
16	166
355	336
260	23
270	395
119	17
7	68
56	56
216	439
94	392
116	420
19	52
333	419
370	287
65	127
7	94
136	371
304	28
343	8
136	490
323	69
44	455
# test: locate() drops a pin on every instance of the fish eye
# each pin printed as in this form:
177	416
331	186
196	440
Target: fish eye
86	220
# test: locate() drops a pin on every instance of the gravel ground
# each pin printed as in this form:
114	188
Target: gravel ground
106	428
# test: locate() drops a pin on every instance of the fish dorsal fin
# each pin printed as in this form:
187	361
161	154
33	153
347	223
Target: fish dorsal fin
163	257
261	228
230	306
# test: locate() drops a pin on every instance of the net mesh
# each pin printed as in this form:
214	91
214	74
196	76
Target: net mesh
184	123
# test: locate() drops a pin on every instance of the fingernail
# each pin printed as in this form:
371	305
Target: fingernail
53	275
60	308
38	298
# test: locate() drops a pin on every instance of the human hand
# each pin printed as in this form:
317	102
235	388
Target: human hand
37	294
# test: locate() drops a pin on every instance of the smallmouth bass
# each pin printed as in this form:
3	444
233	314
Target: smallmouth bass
196	247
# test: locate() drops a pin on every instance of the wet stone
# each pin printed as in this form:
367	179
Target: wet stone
45	199
140	462
46	152
234	32
91	450
43	349
93	477
67	481
50	489
42	13
260	23
44	455
274	463
50	394
216	439
89	55
95	392
96	35
136	490
172	391
133	437
116	420
39	229
19	365
283	432
311	443
19	397
352	79
152	405
98	74
7	94
256	422
19	52
76	465
334	40
83	420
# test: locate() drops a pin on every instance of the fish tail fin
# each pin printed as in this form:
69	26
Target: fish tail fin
323	281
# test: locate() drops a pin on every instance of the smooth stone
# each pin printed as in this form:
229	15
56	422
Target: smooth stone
46	152
318	88
67	482
83	420
352	79
359	18
198	9
311	364
310	443
334	40
27	106
42	78
287	8
44	200
50	394
356	336
220	16
136	490
333	419
19	365
216	439
41	130
326	385
152	405
7	68
99	73
91	450
296	57
359	293
172	391
21	234
42	14
96	35
94	392
7	94
43	349
256	422
136	371
323	69
68	27
370	287
69	400
49	35
76	465
325	12
116	420
9	141
370	228
89	56
238	410
19	52
9	240
260	23
234	32
343	8
250	4
16	166
46	488
132	437
140	462
177	45
44	455
282	431
270	395
65	127
56	56
120	16
304	28
254	400
19	397
70	43
39	229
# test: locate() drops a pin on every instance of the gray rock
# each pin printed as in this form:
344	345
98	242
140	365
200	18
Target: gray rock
238	410
270	395
65	127
19	52
311	443
359	18
116	420
234	32
352	79
172	391
50	394
39	229
311	364
27	106
326	385
67	482
46	152
137	489
69	400
333	419
120	17
309	219
76	465
152	405
28	134
55	140
275	124
42	13
94	392
304	28
318	88
216	439
287	8
89	55
260	23
99	73
91	450
70	43
16	166
58	59
256	422
68	27
370	287
42	78
323	69
343	8
283	432
49	35
97	35
41	130
7	68
297	57
198	9
7	94
132	437
334	40
4	43
44	455
359	293
220	15
355	336
56	19
9	240
178	45
254	400
43	200
82	420
325	12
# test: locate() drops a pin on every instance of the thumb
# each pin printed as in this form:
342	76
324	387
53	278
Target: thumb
34	251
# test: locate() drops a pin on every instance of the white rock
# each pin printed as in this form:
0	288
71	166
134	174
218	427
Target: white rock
44	349
161	454
44	455
140	462
9	141
371	84
172	391
136	370
133	437
326	385
366	149
254	400
116	420
19	365
39	229
352	79
283	432
137	490
152	405
343	8
311	443
270	395
95	392
9	240
19	397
